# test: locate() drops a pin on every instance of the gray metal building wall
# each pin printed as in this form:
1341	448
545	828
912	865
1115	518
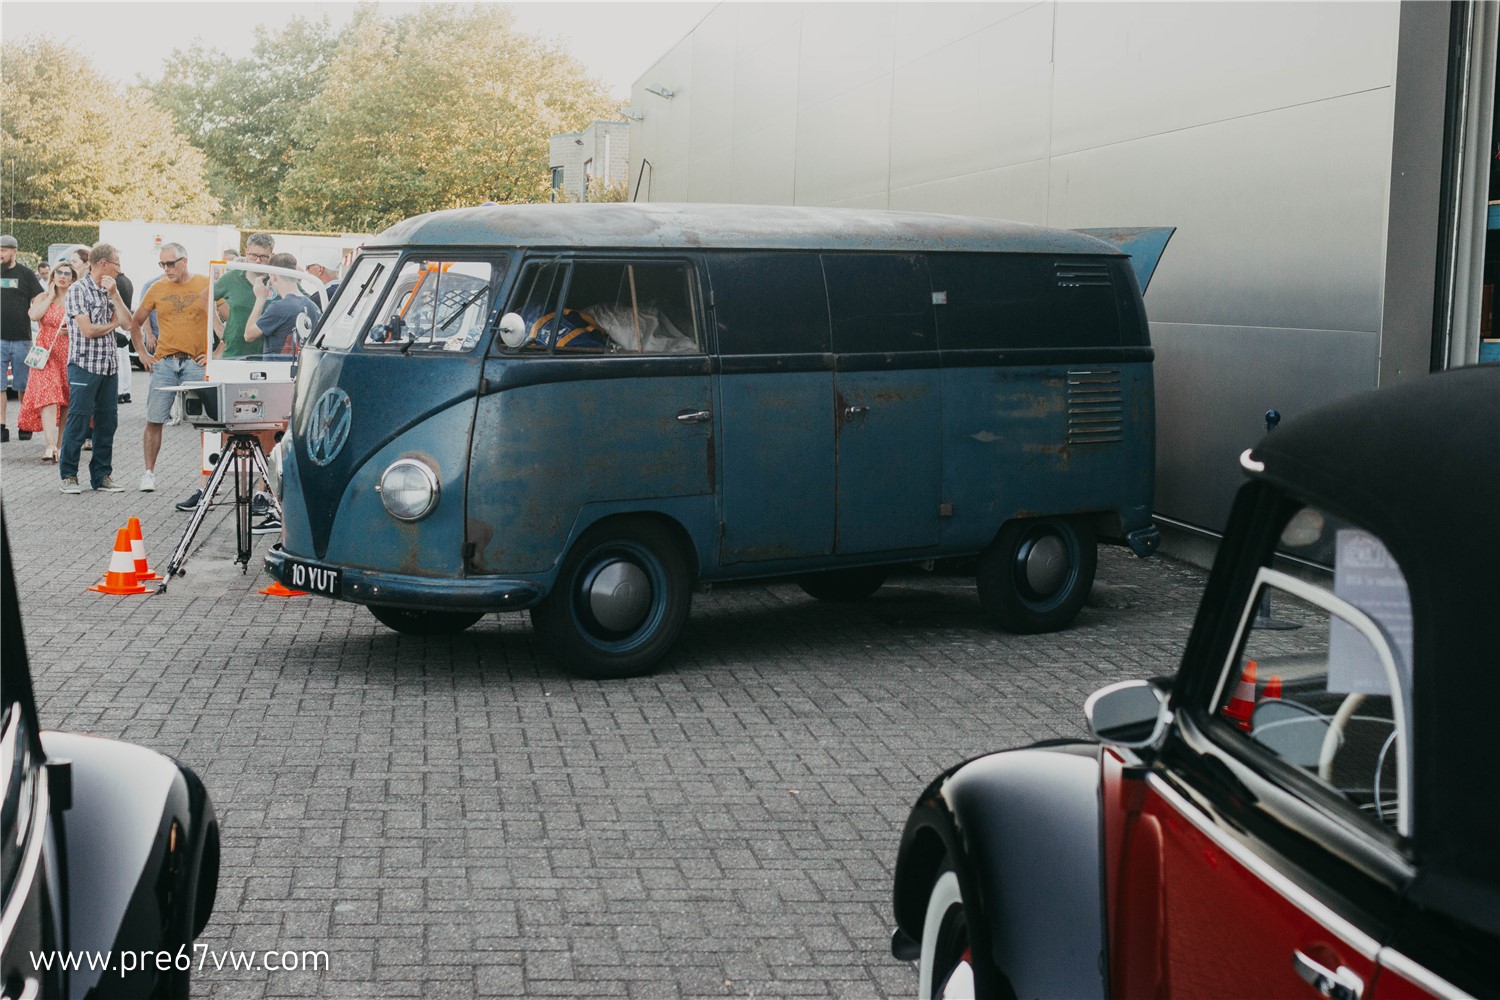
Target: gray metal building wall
1301	177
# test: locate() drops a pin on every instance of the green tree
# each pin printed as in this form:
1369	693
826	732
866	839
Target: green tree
110	155
242	113
440	108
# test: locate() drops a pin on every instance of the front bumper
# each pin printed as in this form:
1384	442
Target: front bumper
359	586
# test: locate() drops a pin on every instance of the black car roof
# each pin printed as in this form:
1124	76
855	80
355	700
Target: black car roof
734	227
1419	465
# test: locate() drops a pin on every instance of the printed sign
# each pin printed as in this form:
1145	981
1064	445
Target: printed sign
1367	577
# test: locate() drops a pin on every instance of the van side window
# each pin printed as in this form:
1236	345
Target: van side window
769	303
1020	301
434	305
880	303
612	307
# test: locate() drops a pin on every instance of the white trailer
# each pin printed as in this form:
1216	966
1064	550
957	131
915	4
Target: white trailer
140	246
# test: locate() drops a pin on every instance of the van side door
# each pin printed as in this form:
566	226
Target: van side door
887	401
600	403
775	394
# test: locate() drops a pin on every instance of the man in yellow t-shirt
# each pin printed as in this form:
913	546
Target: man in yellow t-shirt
180	351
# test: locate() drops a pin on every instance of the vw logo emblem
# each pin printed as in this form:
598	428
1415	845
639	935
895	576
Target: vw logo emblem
328	426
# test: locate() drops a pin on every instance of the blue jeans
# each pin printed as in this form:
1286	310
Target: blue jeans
13	353
91	397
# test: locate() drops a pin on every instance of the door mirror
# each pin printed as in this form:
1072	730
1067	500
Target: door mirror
1129	714
512	330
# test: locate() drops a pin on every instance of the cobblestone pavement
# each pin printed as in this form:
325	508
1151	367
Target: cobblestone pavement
458	817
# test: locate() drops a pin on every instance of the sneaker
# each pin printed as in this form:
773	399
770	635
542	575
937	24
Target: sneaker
260	506
269	526
24	435
148	481
108	485
124	397
191	503
4	433
70	485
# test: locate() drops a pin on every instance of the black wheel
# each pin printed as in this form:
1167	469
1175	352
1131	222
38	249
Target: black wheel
409	622
1037	574
619	601
946	966
844	584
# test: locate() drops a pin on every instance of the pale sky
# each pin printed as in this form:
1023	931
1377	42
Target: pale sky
615	42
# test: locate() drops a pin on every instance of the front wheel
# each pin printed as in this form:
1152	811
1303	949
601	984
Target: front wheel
410	622
619	601
1037	574
946	965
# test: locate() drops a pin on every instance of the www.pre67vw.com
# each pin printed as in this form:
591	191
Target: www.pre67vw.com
181	960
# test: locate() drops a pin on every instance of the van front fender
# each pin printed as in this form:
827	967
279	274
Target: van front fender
1021	829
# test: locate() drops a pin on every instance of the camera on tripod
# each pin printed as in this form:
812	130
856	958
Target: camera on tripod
258	399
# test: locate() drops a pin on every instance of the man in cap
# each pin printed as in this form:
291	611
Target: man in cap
324	265
18	286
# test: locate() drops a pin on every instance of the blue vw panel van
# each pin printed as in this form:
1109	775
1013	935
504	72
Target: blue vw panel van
587	409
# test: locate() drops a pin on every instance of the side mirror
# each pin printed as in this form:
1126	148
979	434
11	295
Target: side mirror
1130	714
512	330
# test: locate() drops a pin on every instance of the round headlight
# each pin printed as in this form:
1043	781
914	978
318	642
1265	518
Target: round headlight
409	489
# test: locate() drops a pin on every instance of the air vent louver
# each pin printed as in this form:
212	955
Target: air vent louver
1082	275
1096	407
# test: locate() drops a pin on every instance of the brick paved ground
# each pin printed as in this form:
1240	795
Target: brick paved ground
457	817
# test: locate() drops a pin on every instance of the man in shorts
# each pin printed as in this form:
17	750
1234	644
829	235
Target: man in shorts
179	352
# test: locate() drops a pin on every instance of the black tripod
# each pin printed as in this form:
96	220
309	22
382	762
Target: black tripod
242	454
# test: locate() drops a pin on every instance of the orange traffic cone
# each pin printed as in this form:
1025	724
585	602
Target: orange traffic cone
1242	702
1273	688
121	576
138	551
277	590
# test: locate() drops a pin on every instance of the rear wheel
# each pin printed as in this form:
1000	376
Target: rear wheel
619	602
844	584
1037	574
409	622
946	965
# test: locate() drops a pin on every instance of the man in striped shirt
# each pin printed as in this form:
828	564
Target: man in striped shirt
94	309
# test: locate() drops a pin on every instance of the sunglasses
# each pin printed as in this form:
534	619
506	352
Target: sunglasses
172	263
63	274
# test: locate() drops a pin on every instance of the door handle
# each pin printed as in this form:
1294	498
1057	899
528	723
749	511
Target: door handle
1342	983
855	411
694	416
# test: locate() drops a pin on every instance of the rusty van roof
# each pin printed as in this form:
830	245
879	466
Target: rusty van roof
729	227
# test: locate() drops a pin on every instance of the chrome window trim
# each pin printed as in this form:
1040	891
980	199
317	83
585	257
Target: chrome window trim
1303	900
1423	977
40	815
1372	632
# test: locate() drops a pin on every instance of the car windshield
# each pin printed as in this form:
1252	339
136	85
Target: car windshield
352	304
432	305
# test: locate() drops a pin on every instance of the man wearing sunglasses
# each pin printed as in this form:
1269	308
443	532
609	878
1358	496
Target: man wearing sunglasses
178	352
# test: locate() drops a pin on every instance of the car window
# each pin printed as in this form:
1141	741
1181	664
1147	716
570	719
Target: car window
611	307
434	305
1321	680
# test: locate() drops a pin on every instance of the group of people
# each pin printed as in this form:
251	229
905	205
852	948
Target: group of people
80	304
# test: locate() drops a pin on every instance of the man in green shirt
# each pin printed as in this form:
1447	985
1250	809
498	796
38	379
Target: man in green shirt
235	292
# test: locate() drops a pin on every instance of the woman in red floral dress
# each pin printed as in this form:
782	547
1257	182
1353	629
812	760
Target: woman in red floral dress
45	406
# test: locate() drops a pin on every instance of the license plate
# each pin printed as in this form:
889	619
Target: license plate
317	579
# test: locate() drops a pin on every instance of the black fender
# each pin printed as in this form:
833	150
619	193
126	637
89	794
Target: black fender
1022	831
140	862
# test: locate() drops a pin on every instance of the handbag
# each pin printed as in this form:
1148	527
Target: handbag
37	356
